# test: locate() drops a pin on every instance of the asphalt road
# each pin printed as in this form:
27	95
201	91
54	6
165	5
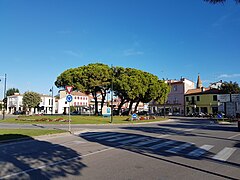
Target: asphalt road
175	149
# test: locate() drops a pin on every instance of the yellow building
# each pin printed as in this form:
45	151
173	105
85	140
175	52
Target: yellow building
201	99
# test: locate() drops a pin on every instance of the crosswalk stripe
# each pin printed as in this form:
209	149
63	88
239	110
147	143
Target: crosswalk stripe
200	151
224	154
110	136
120	138
132	140
146	142
98	135
157	146
179	148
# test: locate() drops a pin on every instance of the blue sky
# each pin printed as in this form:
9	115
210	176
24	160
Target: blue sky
169	38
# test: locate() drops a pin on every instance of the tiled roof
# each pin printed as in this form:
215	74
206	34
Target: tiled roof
203	91
77	93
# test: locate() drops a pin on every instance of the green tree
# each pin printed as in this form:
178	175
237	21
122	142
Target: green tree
230	87
92	79
135	86
31	100
9	92
12	91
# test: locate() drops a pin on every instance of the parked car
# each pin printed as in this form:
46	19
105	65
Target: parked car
18	112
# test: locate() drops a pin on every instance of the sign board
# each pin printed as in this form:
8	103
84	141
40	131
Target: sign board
230	109
69	89
106	111
134	116
235	97
224	98
69	98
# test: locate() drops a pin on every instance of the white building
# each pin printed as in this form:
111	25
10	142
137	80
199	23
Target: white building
80	102
175	100
14	104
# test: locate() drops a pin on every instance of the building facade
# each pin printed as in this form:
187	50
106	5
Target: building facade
81	102
175	100
14	104
201	100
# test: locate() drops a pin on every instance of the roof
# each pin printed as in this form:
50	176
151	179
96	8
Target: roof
77	93
203	91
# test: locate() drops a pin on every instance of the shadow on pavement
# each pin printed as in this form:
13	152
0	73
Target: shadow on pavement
167	131
201	124
164	151
34	159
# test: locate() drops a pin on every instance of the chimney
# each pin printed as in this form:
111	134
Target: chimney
203	89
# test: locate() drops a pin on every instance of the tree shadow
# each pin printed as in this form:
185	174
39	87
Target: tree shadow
34	159
188	124
167	131
156	130
167	150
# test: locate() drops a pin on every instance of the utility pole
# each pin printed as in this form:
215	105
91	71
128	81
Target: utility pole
112	94
51	90
4	96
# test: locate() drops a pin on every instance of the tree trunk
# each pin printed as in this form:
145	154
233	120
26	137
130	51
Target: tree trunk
135	109
130	107
103	98
94	94
123	101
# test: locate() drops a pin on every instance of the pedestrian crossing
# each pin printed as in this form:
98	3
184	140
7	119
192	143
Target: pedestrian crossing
162	145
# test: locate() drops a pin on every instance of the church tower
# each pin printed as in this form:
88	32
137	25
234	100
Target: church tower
199	82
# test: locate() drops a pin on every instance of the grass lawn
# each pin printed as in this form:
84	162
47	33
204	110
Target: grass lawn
7	134
74	120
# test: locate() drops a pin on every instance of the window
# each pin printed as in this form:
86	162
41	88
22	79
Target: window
214	97
198	98
49	101
174	88
187	99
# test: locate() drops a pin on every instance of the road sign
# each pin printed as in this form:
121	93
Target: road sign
134	116
69	89
69	98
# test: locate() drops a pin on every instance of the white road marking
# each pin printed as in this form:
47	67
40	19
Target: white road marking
200	151
224	154
132	140
121	138
99	134
231	137
157	146
110	136
146	142
179	148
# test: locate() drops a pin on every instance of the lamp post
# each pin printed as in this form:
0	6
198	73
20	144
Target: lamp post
51	90
112	94
4	95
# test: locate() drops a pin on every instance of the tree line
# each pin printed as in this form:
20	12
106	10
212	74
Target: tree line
128	84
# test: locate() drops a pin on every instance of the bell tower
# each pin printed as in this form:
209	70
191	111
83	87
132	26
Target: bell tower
199	82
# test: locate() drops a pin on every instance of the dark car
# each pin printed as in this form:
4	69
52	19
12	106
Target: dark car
18	112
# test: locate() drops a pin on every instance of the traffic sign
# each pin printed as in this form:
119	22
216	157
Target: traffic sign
69	89
69	98
134	116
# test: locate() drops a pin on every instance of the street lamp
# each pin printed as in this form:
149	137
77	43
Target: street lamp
113	73
4	94
112	94
51	90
